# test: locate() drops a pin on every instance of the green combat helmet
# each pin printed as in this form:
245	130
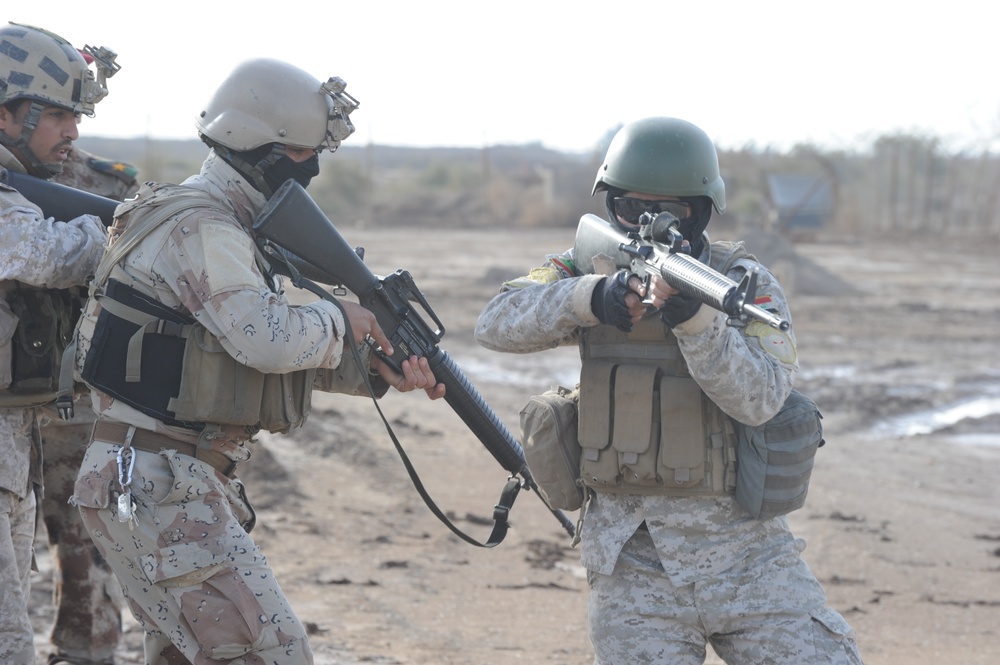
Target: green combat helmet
664	156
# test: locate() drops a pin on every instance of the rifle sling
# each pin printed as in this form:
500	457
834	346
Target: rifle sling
510	489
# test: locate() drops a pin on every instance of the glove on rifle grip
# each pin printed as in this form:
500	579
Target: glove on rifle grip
678	309
608	301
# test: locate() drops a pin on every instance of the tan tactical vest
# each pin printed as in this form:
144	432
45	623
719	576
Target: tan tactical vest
645	426
214	387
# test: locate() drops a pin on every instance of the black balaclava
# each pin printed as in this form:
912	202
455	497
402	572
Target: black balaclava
286	168
268	167
692	228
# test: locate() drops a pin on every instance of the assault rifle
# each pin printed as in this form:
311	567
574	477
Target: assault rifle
657	246
291	221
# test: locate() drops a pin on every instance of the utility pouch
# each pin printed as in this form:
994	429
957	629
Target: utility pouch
45	324
287	400
144	338
214	387
776	458
549	436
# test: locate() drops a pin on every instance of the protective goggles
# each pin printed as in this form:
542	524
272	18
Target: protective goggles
630	209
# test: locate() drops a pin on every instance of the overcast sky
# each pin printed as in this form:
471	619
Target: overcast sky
564	72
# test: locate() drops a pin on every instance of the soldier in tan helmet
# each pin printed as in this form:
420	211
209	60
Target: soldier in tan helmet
45	86
226	355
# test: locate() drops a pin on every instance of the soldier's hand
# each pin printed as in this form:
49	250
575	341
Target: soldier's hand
363	324
617	300
416	374
659	290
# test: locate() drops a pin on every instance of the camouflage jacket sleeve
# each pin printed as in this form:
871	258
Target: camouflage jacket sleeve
348	377
749	370
207	261
541	310
44	252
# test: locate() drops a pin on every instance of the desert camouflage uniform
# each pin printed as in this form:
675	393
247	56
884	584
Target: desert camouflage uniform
669	574
191	573
44	253
86	594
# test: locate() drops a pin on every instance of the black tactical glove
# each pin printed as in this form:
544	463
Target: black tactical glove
678	309
608	301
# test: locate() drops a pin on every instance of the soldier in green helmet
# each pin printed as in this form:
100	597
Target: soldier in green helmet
674	562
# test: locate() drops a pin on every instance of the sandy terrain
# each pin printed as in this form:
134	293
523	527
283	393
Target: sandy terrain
903	527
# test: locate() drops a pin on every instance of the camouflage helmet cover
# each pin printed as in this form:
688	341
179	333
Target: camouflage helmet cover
39	65
663	156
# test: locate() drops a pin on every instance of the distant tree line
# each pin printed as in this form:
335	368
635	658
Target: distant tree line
900	184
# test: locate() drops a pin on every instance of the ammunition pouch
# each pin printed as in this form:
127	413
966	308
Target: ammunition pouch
643	431
35	327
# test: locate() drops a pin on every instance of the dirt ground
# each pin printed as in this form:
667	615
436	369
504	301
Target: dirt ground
902	522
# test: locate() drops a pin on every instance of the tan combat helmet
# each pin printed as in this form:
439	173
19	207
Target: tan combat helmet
269	101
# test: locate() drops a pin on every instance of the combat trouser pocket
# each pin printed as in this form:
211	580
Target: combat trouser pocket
198	576
93	487
833	638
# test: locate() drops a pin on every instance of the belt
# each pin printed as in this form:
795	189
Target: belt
143	439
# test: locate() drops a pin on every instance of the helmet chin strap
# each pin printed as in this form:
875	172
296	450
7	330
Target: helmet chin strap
35	166
269	169
252	164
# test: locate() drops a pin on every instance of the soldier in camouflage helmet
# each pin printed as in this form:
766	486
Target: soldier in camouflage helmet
45	85
674	563
87	627
227	356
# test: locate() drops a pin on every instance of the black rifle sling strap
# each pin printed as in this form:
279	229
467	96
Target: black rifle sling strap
510	489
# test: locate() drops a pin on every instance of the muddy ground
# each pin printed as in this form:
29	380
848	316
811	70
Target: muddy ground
902	521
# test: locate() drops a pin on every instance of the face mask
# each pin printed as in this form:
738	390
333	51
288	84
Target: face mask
694	226
285	168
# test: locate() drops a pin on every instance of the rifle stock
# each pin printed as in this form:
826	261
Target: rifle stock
597	241
65	203
294	222
59	201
